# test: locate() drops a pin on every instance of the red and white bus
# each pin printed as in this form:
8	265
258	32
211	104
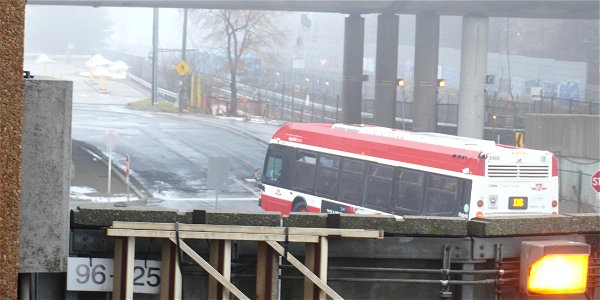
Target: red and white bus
365	169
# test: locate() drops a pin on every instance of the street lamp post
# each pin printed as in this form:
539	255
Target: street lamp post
401	84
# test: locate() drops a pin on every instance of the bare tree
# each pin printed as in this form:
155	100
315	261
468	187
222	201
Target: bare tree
239	33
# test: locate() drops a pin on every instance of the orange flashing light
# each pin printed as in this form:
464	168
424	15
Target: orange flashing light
479	214
554	267
559	274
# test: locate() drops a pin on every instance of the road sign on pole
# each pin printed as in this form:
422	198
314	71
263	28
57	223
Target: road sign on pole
596	181
127	167
111	138
218	172
182	67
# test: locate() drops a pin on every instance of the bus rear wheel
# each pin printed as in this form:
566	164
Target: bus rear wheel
299	206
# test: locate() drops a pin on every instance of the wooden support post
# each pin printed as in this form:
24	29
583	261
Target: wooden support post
170	285
267	271
211	271
305	271
316	260
124	262
220	259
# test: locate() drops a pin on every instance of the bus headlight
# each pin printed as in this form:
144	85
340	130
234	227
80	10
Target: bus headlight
554	267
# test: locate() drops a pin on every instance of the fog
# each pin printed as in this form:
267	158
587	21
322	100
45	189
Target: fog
530	45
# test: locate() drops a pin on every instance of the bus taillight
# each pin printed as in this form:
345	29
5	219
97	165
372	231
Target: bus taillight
479	203
554	203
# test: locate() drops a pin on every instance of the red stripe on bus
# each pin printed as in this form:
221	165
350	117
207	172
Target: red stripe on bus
430	155
283	206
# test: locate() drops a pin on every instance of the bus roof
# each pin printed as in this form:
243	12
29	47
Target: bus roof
452	153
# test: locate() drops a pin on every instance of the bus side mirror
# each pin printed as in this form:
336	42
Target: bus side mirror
553	267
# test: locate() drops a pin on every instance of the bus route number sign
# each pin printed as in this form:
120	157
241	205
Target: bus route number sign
97	274
517	202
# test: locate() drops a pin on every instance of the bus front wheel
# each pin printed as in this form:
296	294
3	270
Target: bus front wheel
299	206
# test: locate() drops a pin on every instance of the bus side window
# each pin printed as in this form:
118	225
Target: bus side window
410	191
351	181
379	187
327	175
274	166
304	174
441	195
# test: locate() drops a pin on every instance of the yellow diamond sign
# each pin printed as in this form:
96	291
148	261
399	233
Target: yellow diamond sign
182	67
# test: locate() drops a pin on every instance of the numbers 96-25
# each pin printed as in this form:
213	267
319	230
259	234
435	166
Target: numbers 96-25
96	274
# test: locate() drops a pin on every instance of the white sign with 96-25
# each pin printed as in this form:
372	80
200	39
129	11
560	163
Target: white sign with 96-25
97	274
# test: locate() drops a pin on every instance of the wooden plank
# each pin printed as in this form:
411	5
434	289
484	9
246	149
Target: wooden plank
118	260
349	233
212	235
316	260
170	285
220	259
208	268
267	271
296	263
226	270
124	260
323	262
310	253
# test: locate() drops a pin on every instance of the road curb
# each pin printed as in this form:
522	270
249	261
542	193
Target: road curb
135	185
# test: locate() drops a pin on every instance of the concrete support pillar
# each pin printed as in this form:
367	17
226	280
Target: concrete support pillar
427	40
473	68
386	70
354	33
45	176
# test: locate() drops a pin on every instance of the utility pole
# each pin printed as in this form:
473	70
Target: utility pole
155	57
183	50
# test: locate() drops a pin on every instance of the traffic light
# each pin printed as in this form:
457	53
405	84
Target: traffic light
554	267
401	82
441	83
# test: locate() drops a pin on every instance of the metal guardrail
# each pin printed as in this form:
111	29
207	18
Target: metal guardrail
166	94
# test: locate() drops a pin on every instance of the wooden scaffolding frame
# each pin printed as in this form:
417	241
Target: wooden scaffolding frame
314	268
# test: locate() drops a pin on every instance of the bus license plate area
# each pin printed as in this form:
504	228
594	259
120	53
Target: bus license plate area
517	202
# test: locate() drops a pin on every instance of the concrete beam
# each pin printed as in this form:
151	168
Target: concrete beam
12	18
535	225
556	9
473	68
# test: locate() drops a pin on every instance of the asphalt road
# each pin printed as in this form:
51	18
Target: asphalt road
168	152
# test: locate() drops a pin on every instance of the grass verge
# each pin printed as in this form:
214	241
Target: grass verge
161	106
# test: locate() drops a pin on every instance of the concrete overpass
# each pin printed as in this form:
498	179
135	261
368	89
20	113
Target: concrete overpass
475	14
556	9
